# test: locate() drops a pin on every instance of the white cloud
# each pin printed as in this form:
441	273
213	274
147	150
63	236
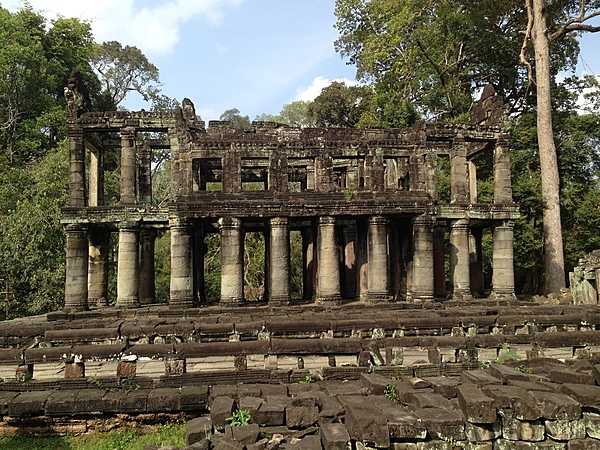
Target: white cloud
154	29
310	92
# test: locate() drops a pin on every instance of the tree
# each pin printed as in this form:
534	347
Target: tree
297	114
341	106
237	120
541	32
123	70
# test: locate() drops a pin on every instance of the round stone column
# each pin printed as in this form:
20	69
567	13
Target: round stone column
128	276
378	260
128	166
503	277
328	269
232	261
98	268
77	191
460	263
147	278
76	275
182	277
279	262
422	266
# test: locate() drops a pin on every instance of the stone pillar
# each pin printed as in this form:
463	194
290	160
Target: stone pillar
99	241
459	256
362	259
232	261
458	173
472	181
128	166
476	260
430	169
181	290
502	171
310	178
308	263
438	261
145	174
77	194
503	278
378	288
422	264
96	183
279	262
128	276
76	276
198	267
147	285
328	289
349	260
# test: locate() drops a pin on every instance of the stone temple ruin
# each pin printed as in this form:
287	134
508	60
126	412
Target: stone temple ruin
365	202
394	343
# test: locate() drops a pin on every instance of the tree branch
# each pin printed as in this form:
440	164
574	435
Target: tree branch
576	24
524	54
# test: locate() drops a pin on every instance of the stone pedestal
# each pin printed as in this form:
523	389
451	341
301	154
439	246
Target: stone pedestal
181	291
147	284
378	288
76	279
128	166
232	262
422	264
459	257
128	275
77	194
98	268
279	262
328	289
503	277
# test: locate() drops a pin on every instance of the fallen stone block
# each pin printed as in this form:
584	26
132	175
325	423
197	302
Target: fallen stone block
221	442
442	423
506	373
557	406
198	429
565	430
164	400
28	404
571	376
61	403
259	445
583	444
517	430
301	416
220	410
306	443
244	434
592	424
445	386
479	377
375	384
475	405
194	398
250	404
514	401
334	436
503	444
271	414
134	401
482	433
364	421
588	396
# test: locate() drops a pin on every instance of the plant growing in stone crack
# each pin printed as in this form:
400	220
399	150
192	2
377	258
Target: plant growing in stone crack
308	379
240	418
348	195
506	354
391	393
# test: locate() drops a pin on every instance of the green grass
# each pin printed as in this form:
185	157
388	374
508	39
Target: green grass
126	439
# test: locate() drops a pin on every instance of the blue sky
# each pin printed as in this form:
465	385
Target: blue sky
254	55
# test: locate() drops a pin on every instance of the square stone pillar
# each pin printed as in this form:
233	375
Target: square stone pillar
99	244
503	277
279	262
472	182
378	286
181	292
349	283
439	271
458	173
476	261
128	166
145	173
328	288
96	182
309	263
422	262
459	257
147	274
76	276
128	274
77	193
502	173
362	258
232	261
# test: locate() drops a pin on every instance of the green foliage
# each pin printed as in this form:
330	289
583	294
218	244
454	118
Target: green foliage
125	439
308	379
237	120
506	354
391	392
239	418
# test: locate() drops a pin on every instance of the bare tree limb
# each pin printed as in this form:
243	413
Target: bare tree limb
523	56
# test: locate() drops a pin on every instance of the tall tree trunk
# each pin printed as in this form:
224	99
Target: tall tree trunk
554	264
